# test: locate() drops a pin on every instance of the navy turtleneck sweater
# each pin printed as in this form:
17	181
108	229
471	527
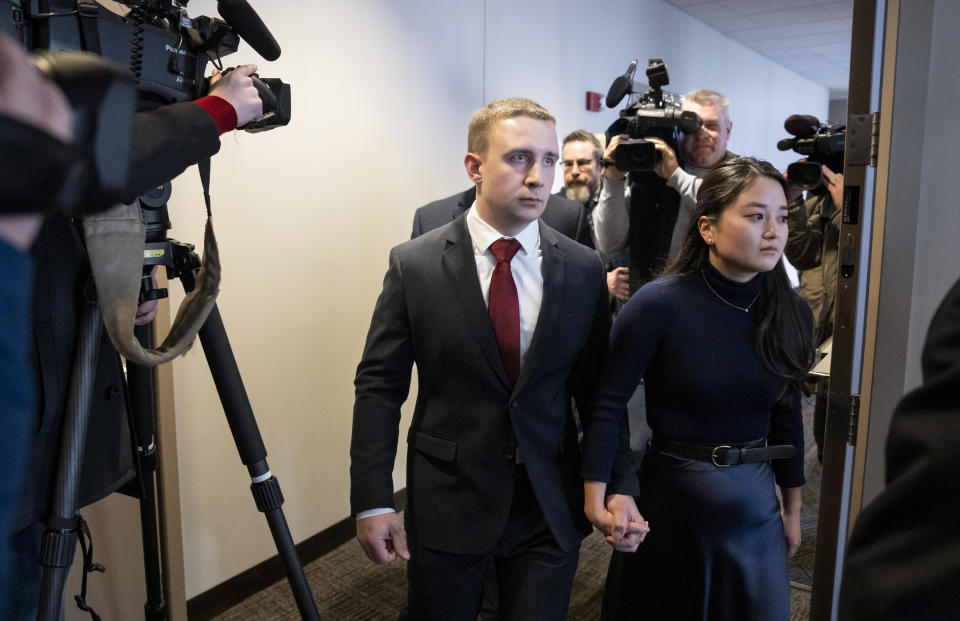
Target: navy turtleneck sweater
704	381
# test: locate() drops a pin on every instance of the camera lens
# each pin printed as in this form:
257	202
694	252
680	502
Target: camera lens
806	175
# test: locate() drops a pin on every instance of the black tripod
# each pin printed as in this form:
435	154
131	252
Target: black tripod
60	538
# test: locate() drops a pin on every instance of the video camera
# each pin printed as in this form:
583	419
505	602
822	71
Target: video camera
652	113
153	54
165	50
821	143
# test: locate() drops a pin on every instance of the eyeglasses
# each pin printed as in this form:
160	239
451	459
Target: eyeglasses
580	163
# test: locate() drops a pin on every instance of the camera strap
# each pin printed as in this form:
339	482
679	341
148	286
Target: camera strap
115	243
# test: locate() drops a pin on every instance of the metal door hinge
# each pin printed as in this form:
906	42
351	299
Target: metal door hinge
862	139
854	419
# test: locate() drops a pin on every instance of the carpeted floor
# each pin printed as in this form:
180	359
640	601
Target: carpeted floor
347	587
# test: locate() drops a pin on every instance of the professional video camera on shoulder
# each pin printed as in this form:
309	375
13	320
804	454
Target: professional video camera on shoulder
651	113
165	50
821	143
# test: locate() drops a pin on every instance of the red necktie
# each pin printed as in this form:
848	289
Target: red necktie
504	306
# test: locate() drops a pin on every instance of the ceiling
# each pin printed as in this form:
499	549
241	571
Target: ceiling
809	37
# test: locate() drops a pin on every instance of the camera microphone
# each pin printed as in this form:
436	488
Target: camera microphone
801	125
621	87
246	23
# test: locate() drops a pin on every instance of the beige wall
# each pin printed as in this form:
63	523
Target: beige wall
305	215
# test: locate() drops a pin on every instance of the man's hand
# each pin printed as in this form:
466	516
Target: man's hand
618	282
834	183
236	87
148	310
630	529
382	538
28	97
666	158
610	171
616	516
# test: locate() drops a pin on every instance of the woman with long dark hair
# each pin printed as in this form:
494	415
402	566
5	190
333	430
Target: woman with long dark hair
723	343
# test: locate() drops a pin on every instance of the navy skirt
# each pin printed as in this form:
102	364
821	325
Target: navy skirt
716	548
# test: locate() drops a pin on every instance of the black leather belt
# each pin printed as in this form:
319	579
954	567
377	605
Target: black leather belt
723	455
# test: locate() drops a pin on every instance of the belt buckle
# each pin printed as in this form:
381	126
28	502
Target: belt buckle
713	455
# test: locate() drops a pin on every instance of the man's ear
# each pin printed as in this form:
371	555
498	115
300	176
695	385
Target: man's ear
472	163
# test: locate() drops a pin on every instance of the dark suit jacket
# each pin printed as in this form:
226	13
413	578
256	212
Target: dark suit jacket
561	214
903	561
468	421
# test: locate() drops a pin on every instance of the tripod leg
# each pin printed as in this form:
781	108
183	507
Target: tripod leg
141	382
60	538
253	454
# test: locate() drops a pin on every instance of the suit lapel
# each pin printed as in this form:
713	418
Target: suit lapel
463	203
461	268
554	274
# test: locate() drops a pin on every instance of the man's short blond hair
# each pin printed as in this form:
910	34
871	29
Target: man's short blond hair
705	97
483	120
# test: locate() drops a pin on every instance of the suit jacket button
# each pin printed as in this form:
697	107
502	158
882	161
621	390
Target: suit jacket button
514	404
509	453
113	392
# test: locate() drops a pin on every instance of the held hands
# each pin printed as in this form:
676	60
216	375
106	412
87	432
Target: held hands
617	518
236	87
618	282
382	538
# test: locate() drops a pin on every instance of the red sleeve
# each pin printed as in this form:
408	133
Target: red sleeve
221	111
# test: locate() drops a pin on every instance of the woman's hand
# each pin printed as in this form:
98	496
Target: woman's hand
790	513
791	530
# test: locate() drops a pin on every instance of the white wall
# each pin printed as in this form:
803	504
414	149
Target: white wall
382	91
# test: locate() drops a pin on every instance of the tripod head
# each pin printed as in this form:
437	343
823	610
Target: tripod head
180	259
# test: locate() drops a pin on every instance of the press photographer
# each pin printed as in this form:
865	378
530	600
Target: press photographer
649	193
814	227
181	129
815	223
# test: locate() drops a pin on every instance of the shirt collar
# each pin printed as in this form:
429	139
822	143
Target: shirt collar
483	234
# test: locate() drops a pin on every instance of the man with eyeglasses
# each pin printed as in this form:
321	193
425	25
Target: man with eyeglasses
660	202
582	178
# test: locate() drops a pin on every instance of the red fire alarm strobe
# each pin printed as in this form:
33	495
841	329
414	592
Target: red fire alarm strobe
593	101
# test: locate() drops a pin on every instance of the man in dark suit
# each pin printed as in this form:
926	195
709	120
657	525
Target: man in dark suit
493	460
903	561
561	214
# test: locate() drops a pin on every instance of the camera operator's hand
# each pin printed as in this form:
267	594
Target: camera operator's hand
26	96
609	170
666	160
834	183
236	87
148	310
618	282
